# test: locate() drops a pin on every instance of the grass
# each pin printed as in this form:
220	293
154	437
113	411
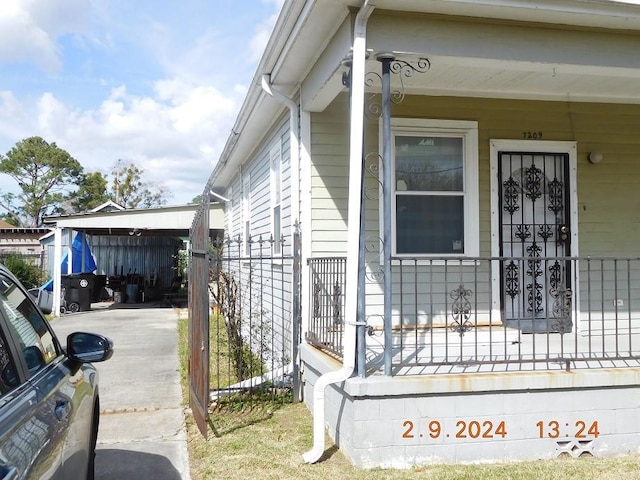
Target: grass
268	443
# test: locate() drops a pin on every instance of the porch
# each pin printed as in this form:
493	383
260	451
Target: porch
455	315
468	384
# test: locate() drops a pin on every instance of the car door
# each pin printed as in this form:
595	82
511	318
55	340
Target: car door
34	413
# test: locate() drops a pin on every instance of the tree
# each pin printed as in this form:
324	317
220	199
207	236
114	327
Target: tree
129	190
44	173
92	192
10	218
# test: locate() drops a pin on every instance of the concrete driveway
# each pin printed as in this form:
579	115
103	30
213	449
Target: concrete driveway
142	430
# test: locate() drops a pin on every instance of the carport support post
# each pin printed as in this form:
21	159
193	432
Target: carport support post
387	181
69	252
57	270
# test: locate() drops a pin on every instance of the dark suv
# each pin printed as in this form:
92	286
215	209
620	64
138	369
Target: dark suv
49	403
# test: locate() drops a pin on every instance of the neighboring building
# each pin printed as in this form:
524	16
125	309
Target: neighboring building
500	243
23	241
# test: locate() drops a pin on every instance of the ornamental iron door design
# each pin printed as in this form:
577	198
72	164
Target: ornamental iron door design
535	241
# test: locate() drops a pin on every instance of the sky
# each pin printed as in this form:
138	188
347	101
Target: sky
154	82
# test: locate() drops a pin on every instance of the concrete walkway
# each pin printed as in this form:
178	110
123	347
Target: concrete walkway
142	430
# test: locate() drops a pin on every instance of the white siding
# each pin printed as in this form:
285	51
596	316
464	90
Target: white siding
264	280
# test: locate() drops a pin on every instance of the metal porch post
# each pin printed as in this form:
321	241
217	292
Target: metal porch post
385	60
361	337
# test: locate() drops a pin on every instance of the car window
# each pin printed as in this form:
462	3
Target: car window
37	342
8	373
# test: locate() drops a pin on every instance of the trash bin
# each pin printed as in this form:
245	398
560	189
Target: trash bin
43	298
78	291
99	292
132	292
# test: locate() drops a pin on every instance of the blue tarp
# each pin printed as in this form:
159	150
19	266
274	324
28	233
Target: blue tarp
78	247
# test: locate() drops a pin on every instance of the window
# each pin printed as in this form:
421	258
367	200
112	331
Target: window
36	341
435	191
275	156
246	214
229	213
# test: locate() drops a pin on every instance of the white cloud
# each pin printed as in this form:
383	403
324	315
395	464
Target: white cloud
13	118
176	94
176	135
263	31
29	30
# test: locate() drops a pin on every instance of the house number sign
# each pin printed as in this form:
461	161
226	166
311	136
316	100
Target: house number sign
532	135
470	429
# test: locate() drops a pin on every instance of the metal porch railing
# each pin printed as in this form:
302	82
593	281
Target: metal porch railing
328	277
489	314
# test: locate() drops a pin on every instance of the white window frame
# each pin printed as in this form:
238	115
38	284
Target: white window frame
275	162
229	212
468	131
246	213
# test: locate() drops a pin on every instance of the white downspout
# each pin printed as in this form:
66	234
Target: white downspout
294	146
353	233
294	153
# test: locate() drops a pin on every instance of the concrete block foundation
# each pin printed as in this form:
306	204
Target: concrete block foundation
402	422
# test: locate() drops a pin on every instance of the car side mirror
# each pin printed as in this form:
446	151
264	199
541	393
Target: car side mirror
8	473
89	347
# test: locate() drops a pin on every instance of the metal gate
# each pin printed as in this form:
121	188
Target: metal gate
198	366
255	324
244	323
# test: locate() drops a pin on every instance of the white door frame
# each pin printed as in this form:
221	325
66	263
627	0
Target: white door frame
538	146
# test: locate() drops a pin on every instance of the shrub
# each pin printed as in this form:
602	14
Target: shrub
28	274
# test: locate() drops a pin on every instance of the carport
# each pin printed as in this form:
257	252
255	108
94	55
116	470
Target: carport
144	226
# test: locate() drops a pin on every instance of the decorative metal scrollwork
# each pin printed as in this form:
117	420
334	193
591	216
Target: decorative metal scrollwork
336	303
562	307
372	168
400	67
523	232
407	69
555	275
533	185
534	250
534	270
556	197
511	189
372	247
316	299
512	280
461	310
534	298
545	232
372	165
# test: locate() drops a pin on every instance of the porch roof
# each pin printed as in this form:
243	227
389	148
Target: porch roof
563	50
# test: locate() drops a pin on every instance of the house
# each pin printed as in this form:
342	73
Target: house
463	177
22	241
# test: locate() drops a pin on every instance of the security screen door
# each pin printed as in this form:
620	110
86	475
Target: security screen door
534	241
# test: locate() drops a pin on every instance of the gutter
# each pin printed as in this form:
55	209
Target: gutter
353	234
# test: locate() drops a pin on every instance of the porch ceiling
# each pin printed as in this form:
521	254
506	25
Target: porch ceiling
615	14
576	50
523	80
